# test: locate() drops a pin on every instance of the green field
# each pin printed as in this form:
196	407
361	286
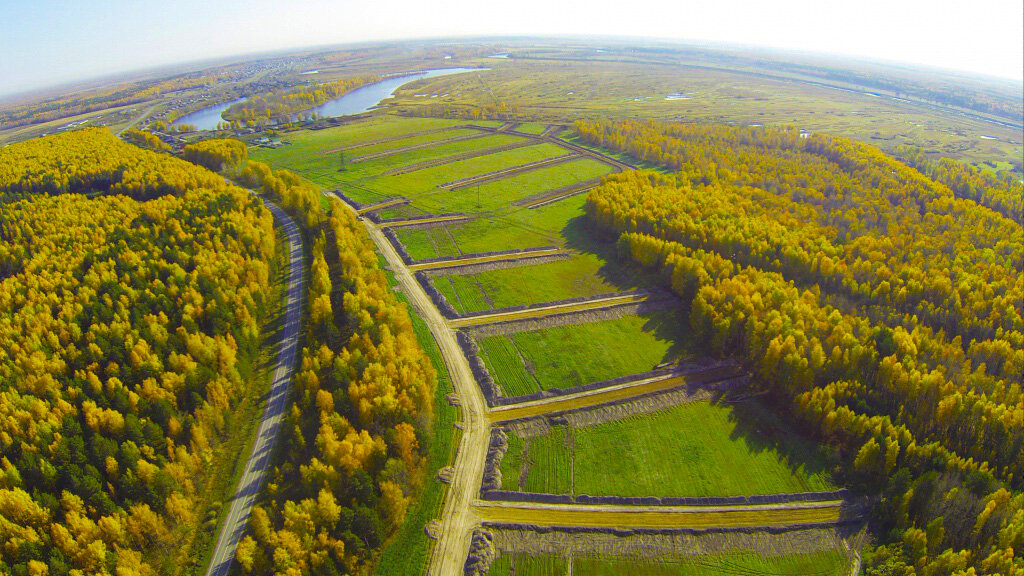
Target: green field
307	145
412	140
422	182
567	356
828	563
500	194
581	275
550	225
698	449
369	169
532	127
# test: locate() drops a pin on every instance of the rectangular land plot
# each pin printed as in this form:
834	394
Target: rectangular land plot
502	193
414	139
582	275
698	449
567	356
372	168
550	225
307	145
535	128
824	563
422	183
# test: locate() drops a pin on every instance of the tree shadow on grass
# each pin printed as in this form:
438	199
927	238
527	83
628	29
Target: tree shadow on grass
761	429
757	424
667	322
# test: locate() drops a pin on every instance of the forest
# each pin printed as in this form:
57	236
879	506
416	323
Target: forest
280	105
132	291
359	426
879	304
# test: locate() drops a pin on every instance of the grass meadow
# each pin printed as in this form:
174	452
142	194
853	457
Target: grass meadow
581	275
825	563
699	449
567	356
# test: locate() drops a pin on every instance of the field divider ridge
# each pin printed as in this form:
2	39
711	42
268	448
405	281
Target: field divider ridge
389	139
786	516
399	201
416	220
560	401
456	158
542	310
505	173
484	258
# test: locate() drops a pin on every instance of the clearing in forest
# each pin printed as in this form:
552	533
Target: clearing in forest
699	449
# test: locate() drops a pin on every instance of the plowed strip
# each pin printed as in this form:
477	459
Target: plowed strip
382	205
421	221
541	312
613	393
471	260
661	517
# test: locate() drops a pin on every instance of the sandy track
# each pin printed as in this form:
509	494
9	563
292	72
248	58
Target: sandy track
457	519
277	400
610	516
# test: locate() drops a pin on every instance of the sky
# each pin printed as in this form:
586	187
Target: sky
48	42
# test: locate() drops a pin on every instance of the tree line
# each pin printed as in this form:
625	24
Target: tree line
878	307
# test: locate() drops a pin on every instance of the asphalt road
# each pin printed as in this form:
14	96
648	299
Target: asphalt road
277	401
457	517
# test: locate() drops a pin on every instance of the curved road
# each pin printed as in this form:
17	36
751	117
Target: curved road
457	518
277	400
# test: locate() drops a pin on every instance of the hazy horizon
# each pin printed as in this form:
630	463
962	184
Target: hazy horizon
143	37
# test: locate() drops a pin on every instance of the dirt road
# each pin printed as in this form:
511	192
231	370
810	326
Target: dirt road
277	400
457	518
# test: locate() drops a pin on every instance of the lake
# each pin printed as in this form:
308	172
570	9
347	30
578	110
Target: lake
366	98
355	102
